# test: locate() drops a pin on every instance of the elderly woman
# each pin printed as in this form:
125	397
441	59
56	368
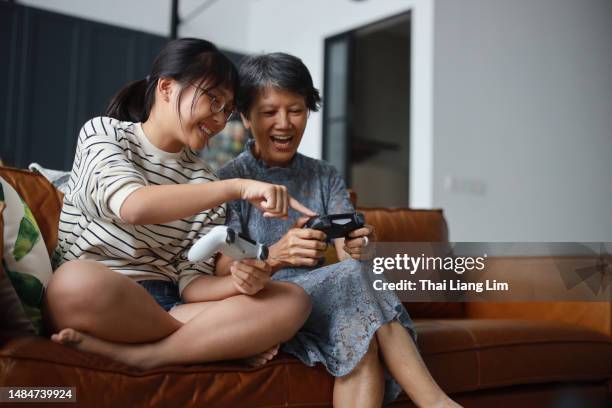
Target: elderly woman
352	329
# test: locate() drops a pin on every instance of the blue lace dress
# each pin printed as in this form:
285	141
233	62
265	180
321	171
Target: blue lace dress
346	310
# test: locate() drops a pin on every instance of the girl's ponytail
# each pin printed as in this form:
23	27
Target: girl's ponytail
189	61
129	103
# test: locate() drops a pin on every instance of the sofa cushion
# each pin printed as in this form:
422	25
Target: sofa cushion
462	355
474	354
25	259
100	382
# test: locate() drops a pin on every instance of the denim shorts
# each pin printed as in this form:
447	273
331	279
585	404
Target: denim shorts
165	293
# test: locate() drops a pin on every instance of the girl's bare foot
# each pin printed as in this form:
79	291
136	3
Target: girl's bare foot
262	358
85	342
446	402
81	341
133	355
68	337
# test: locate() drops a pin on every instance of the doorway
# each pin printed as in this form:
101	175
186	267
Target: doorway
366	114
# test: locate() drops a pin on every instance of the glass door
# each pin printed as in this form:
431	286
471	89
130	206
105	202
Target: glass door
366	110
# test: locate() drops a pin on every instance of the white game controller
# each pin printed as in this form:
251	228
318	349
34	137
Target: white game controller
227	241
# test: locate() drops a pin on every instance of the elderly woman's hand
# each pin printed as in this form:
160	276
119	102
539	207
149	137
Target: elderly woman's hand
357	244
250	275
298	247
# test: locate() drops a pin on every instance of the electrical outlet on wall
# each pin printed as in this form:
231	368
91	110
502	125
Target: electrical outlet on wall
460	185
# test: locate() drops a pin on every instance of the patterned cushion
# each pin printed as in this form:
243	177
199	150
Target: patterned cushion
2	205
12	316
58	178
25	260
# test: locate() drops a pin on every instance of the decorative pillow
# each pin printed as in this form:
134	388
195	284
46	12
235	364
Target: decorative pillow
2	205
12	315
25	259
58	178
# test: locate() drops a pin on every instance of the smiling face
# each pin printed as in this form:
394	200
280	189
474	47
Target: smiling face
200	118
277	119
195	118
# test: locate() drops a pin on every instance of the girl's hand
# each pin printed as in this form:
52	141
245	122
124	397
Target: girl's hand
249	276
272	199
357	244
298	247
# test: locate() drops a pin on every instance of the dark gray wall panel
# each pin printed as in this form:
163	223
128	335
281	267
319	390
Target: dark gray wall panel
48	100
10	45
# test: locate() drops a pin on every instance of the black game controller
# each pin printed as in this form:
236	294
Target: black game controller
336	225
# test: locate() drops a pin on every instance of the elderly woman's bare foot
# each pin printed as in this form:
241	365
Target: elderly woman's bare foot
261	358
127	354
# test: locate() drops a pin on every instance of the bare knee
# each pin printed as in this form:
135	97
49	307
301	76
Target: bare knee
77	291
301	304
293	305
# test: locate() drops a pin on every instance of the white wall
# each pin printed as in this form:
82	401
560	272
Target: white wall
224	22
523	119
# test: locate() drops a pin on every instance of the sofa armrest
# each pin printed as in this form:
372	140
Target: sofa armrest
2	205
592	315
44	200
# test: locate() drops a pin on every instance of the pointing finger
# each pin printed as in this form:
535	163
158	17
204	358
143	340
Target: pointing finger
296	205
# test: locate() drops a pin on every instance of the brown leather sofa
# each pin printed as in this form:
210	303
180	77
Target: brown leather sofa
483	354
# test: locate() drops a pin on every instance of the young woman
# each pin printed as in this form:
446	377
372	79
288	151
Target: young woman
138	198
351	327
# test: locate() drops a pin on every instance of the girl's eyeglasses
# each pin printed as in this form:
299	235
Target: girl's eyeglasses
218	104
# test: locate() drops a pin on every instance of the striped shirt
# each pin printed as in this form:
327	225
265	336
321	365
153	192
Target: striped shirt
113	159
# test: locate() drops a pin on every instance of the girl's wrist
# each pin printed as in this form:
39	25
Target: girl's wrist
234	188
237	188
230	287
231	190
275	265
